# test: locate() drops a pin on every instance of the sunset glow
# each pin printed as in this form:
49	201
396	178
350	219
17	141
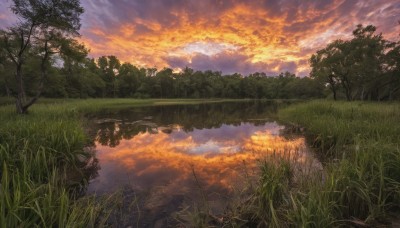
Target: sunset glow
199	113
229	36
153	159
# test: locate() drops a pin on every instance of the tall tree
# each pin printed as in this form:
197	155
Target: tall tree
356	65
128	80
391	73
368	52
109	66
323	68
43	26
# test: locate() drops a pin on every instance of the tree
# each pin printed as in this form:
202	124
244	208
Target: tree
42	28
164	83
109	66
356	65
368	52
323	69
74	57
128	80
391	73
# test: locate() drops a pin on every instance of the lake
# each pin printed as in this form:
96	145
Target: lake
166	159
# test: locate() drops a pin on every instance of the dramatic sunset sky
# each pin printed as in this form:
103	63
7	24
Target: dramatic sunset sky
225	35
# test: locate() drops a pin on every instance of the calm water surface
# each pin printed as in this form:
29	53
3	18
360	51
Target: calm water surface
165	158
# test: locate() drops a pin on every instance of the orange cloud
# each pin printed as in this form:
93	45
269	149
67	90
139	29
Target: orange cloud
232	36
229	36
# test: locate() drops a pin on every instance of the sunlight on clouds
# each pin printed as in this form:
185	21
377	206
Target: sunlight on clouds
236	36
229	36
207	48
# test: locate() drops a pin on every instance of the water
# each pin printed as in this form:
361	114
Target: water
170	158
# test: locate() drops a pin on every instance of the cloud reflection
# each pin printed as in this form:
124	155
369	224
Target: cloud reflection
149	160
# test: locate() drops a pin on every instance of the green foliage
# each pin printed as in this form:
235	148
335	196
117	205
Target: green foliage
89	78
272	189
44	28
360	183
362	186
363	67
43	163
39	154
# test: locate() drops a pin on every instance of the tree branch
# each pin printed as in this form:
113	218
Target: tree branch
9	52
43	77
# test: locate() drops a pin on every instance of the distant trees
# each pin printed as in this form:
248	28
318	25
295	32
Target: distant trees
365	67
43	45
45	27
129	77
82	77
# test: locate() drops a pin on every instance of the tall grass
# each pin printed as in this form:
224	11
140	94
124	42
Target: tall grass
360	184
42	158
362	181
272	189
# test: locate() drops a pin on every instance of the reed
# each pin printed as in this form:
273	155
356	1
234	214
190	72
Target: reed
362	180
358	141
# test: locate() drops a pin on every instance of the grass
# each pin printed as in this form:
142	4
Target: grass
37	151
270	194
360	184
42	163
361	144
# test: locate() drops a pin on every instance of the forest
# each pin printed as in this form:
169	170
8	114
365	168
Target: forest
90	140
49	60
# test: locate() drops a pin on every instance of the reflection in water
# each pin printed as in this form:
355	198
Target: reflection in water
160	151
150	159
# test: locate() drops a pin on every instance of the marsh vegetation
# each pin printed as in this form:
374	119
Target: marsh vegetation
111	144
46	169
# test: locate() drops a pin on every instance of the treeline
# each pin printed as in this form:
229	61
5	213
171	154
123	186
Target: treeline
82	77
56	65
367	67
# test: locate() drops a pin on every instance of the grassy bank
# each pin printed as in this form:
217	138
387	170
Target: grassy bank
360	186
36	150
43	162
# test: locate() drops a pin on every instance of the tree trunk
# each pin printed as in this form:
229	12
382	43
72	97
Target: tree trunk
348	96
8	92
21	107
333	88
362	94
334	94
20	98
347	91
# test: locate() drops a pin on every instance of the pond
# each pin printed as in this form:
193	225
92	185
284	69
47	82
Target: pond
168	158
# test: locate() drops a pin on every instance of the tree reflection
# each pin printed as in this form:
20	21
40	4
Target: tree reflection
110	128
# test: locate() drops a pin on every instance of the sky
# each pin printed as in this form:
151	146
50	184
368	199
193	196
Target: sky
243	36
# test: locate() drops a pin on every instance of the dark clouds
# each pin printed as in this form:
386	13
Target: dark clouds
230	63
267	35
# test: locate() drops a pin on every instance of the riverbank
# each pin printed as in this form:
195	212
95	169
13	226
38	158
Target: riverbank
43	162
359	186
358	141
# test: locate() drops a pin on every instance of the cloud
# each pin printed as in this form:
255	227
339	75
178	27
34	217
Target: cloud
6	16
229	63
227	35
